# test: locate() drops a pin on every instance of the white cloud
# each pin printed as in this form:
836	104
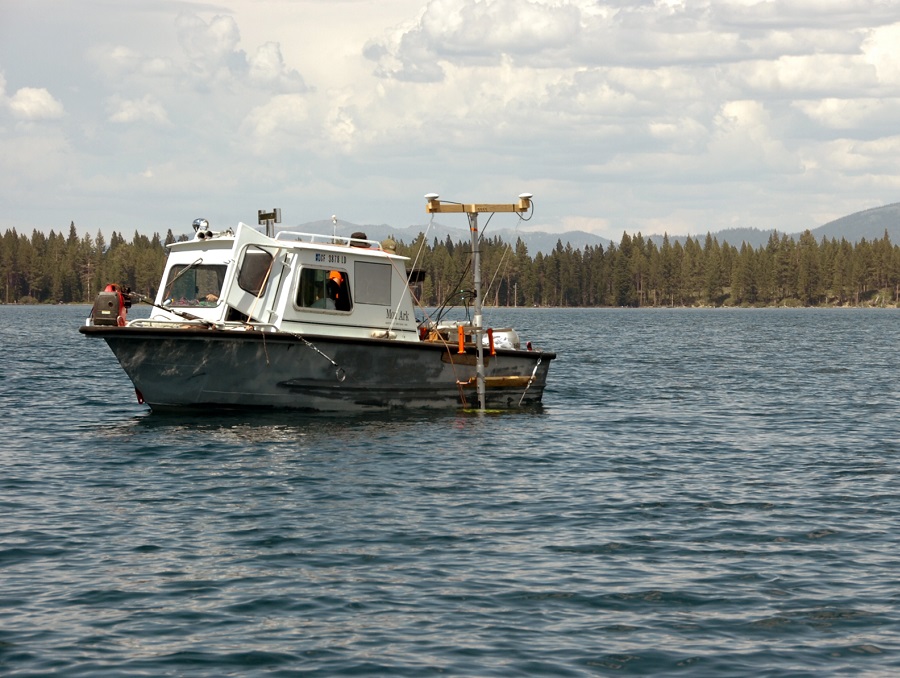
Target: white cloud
881	50
473	30
788	14
281	124
852	114
548	34
33	103
267	68
860	161
795	77
615	114
208	59
341	129
211	48
146	109
486	27
120	63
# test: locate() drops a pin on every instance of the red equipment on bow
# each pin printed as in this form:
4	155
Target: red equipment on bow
111	306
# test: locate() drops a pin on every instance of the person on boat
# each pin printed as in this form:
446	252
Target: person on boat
322	301
336	290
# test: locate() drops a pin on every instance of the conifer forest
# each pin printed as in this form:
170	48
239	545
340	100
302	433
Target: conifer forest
636	272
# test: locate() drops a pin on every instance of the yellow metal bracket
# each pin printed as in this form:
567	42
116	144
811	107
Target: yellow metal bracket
434	205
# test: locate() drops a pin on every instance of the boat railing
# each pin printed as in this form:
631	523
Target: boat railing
183	323
329	239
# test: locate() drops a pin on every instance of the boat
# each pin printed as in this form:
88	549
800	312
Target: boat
246	319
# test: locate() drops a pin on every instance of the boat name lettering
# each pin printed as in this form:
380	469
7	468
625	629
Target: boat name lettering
402	316
331	258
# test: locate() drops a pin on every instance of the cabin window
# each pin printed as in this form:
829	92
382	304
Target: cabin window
256	269
373	283
324	288
194	284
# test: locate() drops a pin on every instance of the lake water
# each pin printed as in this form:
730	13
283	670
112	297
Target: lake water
705	492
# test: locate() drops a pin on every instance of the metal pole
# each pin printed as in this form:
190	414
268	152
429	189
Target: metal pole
269	219
477	321
434	206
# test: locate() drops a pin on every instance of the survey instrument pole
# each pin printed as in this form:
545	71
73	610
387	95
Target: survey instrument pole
478	320
269	219
472	211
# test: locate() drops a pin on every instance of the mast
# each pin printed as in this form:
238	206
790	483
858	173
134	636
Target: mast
472	211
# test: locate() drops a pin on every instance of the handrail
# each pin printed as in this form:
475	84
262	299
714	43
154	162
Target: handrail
160	322
227	325
344	239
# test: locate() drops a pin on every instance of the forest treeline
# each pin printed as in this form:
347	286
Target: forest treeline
60	268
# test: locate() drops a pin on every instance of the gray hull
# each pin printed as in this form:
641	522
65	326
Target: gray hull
174	369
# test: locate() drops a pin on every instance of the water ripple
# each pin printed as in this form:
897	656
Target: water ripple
705	492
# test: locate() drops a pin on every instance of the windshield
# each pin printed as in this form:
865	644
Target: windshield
194	284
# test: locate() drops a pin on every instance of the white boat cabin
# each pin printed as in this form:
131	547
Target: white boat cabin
294	282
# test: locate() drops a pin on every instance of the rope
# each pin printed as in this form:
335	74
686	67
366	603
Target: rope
412	268
530	381
339	372
506	252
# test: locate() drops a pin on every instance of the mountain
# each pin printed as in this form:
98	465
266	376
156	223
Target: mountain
754	237
869	224
535	241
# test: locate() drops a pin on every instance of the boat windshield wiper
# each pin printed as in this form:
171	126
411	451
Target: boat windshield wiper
177	276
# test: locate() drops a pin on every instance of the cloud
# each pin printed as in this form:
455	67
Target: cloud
488	27
814	75
211	48
121	65
280	124
32	103
213	56
544	33
472	31
615	113
788	14
207	58
267	68
880	49
146	109
852	114
743	142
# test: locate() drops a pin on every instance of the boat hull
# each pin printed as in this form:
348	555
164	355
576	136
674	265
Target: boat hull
175	369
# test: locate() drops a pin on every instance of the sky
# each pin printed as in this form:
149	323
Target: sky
651	116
